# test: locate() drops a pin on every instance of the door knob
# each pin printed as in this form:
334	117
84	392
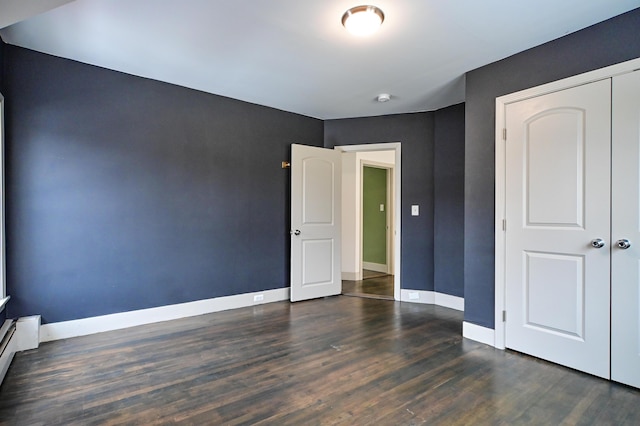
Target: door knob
623	244
597	243
296	232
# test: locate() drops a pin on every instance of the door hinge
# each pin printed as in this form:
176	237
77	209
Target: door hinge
504	224
504	316
504	134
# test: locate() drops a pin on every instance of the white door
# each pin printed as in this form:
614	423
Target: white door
625	263
558	201
315	222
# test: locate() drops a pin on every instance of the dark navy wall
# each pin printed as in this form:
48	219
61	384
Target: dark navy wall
3	313
448	226
415	132
612	41
125	193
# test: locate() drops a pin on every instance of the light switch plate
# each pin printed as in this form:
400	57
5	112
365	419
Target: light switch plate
415	210
381	207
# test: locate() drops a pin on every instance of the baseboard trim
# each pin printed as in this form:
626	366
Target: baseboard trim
478	333
351	276
449	301
378	267
432	298
85	326
417	296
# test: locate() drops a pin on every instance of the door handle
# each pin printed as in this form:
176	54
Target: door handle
597	243
296	232
623	244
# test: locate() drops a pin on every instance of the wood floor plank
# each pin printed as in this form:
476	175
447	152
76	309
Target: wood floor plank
339	360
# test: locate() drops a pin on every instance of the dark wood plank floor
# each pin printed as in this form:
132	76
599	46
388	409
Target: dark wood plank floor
339	360
375	285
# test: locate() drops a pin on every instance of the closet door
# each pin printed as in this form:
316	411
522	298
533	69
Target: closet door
625	225
558	201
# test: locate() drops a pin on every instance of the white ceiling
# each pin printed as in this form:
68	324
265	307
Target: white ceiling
295	55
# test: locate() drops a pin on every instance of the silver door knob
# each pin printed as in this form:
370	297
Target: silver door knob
597	243
296	232
623	244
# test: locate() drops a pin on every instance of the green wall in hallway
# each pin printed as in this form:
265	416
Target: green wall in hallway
374	221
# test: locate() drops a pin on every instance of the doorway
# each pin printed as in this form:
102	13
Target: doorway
365	274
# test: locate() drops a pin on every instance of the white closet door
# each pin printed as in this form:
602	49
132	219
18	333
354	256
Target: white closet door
625	263
557	196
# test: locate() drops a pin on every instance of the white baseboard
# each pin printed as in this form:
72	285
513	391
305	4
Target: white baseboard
351	276
449	301
432	298
478	333
378	267
417	296
85	326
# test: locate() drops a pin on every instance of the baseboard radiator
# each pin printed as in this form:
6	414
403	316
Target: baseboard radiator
8	346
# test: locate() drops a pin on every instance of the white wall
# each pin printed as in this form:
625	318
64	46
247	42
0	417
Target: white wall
351	215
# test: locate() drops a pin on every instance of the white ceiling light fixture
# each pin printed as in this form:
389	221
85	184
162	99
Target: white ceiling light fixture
363	20
383	97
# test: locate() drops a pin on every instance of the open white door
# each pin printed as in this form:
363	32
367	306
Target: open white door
315	222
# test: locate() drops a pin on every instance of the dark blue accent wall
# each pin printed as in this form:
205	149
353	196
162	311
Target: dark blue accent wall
415	132
448	218
607	43
3	313
125	193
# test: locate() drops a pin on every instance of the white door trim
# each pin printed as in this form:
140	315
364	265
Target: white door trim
397	185
500	167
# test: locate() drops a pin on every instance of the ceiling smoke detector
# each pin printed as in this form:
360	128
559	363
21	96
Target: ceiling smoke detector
383	97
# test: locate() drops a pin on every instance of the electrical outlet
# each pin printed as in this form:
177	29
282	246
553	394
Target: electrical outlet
258	297
414	295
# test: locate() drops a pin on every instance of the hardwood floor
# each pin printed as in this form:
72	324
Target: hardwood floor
375	285
339	360
367	273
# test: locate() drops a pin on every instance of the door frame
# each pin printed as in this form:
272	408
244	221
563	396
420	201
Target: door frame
397	186
500	224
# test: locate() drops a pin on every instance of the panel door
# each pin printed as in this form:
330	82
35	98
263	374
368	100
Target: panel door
625	263
315	222
558	201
